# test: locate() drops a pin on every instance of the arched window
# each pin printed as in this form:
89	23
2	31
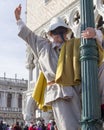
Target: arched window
20	101
9	99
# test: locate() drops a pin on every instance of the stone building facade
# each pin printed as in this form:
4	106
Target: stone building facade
38	15
11	91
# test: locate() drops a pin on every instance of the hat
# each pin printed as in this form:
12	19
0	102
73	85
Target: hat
55	23
17	123
38	122
50	121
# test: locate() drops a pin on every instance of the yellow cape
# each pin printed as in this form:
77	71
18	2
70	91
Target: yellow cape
38	93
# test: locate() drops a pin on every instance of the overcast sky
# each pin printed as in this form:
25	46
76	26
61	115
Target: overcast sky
12	48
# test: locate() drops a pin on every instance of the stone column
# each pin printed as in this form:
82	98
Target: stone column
15	100
29	64
4	99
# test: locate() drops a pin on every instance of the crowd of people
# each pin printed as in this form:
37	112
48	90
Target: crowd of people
38	125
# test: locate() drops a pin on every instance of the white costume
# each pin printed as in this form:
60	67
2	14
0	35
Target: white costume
65	101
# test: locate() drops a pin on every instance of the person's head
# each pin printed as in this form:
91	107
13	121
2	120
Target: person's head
58	29
38	123
1	122
31	123
50	121
17	123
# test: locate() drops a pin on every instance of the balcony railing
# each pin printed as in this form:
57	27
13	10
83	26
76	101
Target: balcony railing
13	109
13	82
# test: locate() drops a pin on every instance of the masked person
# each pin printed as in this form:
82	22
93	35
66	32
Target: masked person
64	99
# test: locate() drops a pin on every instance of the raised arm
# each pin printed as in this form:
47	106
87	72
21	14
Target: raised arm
35	42
17	12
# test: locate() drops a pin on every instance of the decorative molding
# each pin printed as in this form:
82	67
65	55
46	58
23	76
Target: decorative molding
100	6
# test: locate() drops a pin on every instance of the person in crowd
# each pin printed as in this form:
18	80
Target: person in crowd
12	126
26	127
4	125
53	125
17	126
31	126
39	125
49	125
1	125
8	127
43	124
63	96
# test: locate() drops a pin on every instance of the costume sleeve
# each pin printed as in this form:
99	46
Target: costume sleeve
20	24
37	43
99	36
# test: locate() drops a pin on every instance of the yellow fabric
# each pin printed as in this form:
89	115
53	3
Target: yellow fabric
68	68
38	93
67	73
